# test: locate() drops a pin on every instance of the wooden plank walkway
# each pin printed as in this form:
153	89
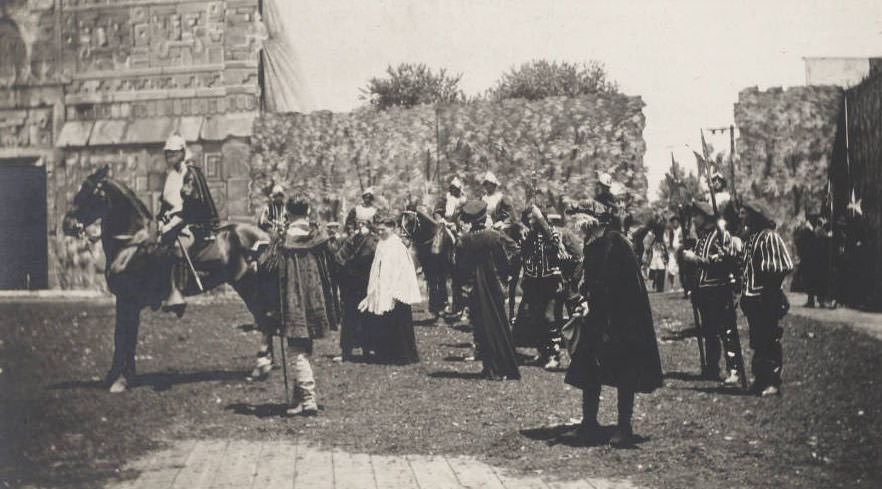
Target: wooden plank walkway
221	464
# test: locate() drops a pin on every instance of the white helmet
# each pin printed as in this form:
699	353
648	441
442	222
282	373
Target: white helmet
277	190
456	182
604	179
489	177
175	142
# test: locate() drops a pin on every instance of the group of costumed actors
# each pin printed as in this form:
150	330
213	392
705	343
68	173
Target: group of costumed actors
372	274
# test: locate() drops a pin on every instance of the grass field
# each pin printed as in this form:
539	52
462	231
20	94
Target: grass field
60	427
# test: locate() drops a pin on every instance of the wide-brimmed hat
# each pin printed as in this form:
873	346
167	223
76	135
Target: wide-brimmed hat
761	211
489	177
474	211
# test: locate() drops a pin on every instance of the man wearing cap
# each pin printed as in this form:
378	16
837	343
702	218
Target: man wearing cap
363	213
173	229
715	257
483	263
764	264
499	209
274	219
615	344
448	207
725	204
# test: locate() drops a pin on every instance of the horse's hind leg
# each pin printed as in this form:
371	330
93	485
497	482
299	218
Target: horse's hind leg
264	359
125	341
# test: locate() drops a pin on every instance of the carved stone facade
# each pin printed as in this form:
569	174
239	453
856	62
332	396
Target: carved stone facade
84	83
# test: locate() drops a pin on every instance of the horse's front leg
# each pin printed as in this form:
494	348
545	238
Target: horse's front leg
125	341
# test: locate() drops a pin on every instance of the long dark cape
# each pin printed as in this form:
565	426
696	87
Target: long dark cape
618	345
483	259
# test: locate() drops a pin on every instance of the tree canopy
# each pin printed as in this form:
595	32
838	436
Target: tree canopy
678	190
539	79
408	84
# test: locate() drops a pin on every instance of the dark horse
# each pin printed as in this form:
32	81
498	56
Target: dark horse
138	267
434	246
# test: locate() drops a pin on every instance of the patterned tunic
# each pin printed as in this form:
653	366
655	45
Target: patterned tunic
764	263
719	270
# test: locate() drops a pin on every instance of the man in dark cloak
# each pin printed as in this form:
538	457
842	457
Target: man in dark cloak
617	345
483	263
353	258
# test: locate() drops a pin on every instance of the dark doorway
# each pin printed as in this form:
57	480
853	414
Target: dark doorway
23	261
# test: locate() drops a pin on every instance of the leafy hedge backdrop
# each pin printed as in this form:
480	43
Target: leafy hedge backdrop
555	145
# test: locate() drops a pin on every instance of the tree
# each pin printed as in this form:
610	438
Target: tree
539	79
678	189
412	84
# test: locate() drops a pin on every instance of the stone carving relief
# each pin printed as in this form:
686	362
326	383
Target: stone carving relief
26	128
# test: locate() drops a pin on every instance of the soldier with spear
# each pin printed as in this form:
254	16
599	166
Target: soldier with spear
715	256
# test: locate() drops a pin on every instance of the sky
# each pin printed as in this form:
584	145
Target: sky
687	59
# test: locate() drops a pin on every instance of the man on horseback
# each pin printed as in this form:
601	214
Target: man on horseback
499	209
363	213
448	208
173	229
447	212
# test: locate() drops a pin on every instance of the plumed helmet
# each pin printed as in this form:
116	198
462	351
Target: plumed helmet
474	211
277	190
175	142
489	177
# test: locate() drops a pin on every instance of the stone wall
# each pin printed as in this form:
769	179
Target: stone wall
785	146
409	154
97	82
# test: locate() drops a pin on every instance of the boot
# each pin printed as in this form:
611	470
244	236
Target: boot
175	300
624	434
304	389
589	431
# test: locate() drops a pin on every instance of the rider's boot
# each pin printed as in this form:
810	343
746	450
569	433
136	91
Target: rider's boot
175	300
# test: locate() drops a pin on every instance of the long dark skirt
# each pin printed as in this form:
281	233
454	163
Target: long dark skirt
391	336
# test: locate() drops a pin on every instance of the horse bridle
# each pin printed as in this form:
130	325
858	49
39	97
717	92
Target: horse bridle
416	226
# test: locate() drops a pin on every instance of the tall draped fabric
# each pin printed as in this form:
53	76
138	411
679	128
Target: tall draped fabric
483	261
284	86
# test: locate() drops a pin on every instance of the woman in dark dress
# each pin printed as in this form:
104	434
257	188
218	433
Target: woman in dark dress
617	345
392	290
483	264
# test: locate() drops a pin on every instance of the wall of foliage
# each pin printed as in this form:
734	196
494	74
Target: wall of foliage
553	146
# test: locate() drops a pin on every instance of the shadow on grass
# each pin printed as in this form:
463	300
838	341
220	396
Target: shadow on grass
464	327
161	381
427	322
464	344
566	434
266	410
681	335
452	374
724	390
688	376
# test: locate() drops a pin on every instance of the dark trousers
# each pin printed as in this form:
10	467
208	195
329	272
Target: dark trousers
765	340
658	280
591	405
436	282
541	315
719	324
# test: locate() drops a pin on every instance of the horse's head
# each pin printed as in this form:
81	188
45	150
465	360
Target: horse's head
410	223
88	205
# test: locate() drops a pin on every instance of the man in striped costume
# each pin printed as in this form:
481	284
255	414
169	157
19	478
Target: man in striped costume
274	219
715	256
764	264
